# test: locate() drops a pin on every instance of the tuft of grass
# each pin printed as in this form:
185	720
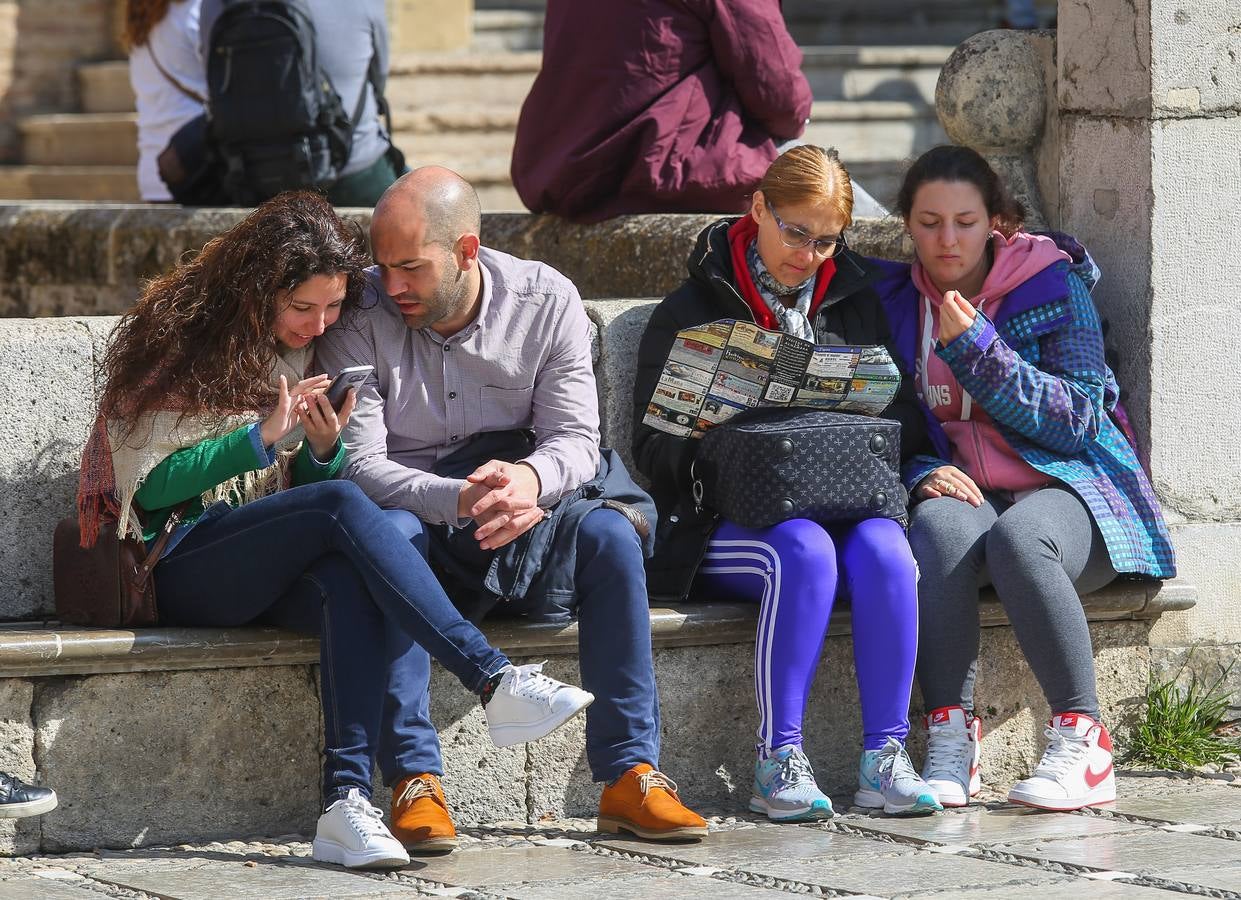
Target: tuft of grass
1184	728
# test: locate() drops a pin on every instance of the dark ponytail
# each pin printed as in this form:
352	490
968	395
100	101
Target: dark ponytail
951	163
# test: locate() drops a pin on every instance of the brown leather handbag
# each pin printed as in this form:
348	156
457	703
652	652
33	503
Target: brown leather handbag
108	585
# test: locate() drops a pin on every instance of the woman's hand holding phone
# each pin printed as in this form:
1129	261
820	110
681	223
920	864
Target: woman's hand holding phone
322	423
284	417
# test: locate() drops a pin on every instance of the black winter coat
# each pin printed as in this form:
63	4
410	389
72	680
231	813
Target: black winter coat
851	313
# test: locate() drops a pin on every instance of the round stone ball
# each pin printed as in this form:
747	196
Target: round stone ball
991	94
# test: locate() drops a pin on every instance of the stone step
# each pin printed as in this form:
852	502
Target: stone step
877	130
482	141
68	139
117	184
517	24
80	139
500	77
103	87
875	72
499	30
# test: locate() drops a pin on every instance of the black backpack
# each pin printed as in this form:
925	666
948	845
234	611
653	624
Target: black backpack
276	122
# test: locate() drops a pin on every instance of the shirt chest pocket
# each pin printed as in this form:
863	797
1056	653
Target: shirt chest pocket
504	408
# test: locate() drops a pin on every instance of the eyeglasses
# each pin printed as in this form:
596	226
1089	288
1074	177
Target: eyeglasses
795	238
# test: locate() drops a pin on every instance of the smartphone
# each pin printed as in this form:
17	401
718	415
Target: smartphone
352	377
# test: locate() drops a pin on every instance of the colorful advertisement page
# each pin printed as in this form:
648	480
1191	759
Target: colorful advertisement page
723	368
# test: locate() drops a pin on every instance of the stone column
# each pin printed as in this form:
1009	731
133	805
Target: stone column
430	25
1149	93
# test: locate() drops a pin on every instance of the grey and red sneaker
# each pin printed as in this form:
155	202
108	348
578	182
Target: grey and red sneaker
18	799
953	748
1076	768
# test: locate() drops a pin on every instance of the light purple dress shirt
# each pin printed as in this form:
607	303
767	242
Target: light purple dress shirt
524	362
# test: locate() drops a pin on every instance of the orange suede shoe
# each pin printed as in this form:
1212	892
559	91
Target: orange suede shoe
645	802
420	817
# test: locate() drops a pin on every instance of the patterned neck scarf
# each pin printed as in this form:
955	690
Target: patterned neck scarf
793	319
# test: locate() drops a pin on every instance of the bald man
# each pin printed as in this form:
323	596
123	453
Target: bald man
482	419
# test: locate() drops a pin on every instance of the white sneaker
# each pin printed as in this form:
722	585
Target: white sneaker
953	748
1076	768
352	834
527	705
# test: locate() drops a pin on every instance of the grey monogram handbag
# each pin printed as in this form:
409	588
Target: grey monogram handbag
765	467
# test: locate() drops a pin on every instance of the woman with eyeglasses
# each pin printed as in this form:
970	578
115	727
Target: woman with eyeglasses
786	267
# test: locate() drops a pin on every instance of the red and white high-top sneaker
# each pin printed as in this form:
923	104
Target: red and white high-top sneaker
1076	768
953	746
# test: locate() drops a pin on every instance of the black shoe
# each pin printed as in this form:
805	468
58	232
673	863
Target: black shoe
18	799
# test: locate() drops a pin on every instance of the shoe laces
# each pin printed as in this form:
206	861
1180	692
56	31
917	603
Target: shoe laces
366	819
414	789
1063	753
529	681
655	779
894	762
947	752
795	769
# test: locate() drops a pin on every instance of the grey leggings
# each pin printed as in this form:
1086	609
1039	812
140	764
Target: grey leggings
1038	553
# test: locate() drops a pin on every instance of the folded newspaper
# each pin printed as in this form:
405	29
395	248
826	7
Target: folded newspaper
720	369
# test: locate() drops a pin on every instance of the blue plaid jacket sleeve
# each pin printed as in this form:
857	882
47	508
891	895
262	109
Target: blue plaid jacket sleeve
1057	404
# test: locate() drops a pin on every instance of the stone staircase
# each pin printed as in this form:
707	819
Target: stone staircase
874	102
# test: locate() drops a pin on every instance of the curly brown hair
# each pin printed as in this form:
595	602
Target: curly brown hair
201	340
140	17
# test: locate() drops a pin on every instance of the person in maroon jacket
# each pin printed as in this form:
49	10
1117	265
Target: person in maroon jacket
648	106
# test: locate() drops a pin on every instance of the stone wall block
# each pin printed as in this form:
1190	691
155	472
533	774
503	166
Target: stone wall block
17	757
1206	557
1212	666
620	323
1195	167
66	259
1106	202
48	373
1009	699
141	759
44	244
1105	57
1196	58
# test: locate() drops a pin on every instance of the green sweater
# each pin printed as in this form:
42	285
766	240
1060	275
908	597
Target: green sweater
192	471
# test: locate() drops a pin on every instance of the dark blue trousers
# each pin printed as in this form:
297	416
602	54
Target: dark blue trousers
614	649
323	558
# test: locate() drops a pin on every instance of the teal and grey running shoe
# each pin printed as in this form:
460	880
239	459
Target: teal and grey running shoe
785	789
887	780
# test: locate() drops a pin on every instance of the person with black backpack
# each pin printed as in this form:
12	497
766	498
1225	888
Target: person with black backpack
295	99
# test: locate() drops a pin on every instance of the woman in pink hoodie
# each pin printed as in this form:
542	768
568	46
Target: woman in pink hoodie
1025	483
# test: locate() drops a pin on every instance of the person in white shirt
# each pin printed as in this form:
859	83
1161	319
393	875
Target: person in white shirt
168	78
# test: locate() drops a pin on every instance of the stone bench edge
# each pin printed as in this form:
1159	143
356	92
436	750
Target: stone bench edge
42	649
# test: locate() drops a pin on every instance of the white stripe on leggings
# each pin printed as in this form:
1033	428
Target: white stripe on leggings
730	558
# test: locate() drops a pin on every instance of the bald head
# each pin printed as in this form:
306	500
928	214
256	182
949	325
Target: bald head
438	198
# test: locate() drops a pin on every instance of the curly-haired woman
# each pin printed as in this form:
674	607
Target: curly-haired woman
208	404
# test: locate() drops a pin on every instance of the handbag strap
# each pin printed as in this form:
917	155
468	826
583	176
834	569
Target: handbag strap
157	549
193	95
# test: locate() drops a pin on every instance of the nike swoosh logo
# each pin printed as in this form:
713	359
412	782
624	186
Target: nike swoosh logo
1093	779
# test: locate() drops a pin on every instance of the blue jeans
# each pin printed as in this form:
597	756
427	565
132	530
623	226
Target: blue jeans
614	649
323	558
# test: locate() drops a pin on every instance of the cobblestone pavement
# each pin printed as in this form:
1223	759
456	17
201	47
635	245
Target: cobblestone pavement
1164	836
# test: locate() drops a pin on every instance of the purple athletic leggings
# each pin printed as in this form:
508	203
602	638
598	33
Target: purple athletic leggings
793	568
